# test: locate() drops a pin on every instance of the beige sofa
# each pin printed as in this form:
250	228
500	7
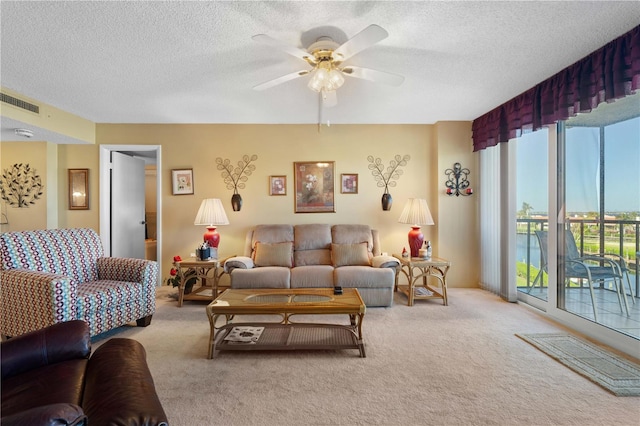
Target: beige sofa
315	255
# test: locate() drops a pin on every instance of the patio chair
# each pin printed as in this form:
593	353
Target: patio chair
593	268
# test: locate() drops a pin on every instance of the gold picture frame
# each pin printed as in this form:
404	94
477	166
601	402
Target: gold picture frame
182	181
349	183
78	189
277	185
314	183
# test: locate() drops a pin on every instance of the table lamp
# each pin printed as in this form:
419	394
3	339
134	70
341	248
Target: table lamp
416	213
211	214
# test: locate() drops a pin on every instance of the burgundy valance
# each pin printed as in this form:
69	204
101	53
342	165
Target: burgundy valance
609	73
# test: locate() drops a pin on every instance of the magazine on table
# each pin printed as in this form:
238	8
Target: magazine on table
423	291
244	335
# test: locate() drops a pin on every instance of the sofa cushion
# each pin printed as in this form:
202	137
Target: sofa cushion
312	245
352	234
312	276
363	277
272	234
312	236
265	277
350	254
278	254
312	257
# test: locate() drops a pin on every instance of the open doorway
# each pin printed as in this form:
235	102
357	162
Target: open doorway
153	198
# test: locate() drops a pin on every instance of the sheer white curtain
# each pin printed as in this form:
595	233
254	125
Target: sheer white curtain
490	219
497	221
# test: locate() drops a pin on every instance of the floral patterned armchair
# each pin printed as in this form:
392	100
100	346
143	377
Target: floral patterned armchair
55	275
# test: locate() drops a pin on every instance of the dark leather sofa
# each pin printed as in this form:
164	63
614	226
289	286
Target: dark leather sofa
49	377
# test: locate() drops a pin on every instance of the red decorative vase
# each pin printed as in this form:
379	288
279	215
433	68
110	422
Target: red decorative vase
415	240
212	236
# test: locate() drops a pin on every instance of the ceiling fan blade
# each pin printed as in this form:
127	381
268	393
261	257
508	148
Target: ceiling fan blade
373	75
329	98
280	80
298	53
364	39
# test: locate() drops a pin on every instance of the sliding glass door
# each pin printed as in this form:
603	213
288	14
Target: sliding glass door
578	194
532	203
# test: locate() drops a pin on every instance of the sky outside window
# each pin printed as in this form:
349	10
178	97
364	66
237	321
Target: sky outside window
622	169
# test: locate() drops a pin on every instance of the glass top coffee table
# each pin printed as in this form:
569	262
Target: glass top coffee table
287	334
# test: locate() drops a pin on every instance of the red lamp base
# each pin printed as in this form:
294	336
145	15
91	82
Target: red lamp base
212	237
415	240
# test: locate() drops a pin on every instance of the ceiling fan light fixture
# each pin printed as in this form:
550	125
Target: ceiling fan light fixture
336	79
315	84
326	78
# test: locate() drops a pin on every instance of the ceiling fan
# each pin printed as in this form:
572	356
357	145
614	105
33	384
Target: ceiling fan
326	57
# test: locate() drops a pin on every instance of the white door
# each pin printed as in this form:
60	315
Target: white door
127	206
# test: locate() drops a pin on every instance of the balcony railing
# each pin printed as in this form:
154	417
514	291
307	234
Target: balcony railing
620	237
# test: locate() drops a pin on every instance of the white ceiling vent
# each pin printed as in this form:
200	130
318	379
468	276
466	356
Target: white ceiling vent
8	99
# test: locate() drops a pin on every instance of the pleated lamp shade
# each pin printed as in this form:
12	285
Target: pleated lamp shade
211	214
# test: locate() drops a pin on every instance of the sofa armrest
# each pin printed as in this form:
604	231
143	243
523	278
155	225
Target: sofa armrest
49	345
128	269
61	414
238	262
384	262
56	296
119	388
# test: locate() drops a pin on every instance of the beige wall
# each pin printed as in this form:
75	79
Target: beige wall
432	149
34	154
78	157
52	161
458	224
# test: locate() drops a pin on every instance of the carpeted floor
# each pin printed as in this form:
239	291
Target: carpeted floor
428	364
616	374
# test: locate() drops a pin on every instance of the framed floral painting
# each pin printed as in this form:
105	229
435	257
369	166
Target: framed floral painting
314	182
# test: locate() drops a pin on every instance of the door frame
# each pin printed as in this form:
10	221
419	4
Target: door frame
105	197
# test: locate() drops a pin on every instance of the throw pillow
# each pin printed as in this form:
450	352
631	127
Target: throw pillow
278	254
350	255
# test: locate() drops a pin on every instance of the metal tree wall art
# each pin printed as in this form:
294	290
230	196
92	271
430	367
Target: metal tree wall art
235	177
387	178
20	185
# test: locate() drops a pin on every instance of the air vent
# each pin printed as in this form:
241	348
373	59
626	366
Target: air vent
19	103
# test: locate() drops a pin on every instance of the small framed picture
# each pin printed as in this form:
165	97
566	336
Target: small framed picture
182	181
349	183
277	185
78	189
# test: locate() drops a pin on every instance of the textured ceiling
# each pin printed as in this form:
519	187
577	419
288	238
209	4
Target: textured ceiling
195	62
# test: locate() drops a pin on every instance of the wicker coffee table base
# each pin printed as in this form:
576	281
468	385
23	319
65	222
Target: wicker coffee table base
298	336
287	333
